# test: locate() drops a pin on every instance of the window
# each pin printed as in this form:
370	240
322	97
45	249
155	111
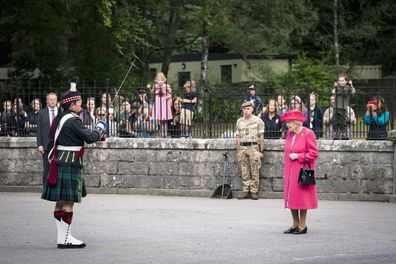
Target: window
226	73
183	77
153	72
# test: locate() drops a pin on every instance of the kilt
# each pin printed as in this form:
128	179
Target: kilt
68	186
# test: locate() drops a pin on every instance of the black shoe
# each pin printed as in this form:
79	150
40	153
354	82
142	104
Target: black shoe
254	196
244	195
290	230
298	231
63	246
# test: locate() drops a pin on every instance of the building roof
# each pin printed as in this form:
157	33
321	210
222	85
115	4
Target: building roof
223	56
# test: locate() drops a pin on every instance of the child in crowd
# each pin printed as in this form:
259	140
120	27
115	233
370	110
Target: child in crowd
144	101
142	125
163	100
188	107
343	91
125	115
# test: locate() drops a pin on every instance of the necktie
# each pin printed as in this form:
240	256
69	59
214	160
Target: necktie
52	116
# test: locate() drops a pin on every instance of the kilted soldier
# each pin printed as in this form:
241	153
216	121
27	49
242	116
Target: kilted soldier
250	147
65	181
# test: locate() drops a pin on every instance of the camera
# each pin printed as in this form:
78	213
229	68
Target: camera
371	104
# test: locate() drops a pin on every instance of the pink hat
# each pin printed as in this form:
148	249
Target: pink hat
294	115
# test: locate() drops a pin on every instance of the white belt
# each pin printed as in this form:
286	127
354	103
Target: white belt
69	148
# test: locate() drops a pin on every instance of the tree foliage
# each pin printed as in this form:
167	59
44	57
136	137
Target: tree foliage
309	69
261	26
366	33
98	39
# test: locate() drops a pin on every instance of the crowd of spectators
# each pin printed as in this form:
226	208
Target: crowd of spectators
17	119
336	122
167	115
164	116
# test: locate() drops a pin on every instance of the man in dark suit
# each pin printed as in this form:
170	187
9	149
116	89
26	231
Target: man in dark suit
44	121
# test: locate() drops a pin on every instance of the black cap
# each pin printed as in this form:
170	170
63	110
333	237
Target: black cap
70	96
141	90
251	87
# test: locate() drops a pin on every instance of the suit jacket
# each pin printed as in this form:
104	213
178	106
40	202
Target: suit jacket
43	128
317	122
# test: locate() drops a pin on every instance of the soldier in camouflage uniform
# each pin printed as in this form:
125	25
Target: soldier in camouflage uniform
250	147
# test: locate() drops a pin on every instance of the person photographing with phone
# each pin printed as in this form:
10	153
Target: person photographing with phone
377	118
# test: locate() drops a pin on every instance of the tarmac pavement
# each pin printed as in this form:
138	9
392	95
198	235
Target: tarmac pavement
164	229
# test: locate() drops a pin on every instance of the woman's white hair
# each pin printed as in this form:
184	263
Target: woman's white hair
297	122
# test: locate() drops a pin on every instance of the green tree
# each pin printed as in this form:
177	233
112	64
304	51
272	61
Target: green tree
306	68
66	38
263	26
35	30
365	31
368	33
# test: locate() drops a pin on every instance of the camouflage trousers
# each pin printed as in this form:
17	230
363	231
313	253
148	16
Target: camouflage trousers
250	160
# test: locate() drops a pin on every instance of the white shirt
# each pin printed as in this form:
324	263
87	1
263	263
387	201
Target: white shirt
50	113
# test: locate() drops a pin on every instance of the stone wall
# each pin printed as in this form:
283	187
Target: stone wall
347	170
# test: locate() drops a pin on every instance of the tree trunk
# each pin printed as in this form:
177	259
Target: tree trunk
205	53
336	44
174	19
204	59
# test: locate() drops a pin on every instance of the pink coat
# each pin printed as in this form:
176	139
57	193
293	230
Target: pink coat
299	196
163	102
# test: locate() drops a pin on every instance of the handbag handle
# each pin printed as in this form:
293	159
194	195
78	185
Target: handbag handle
309	163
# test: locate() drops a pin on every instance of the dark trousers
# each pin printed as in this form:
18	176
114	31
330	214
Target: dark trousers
46	168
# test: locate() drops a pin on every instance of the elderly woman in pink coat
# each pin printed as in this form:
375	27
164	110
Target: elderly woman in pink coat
300	144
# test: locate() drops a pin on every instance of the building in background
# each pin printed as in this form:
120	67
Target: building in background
237	68
367	72
223	68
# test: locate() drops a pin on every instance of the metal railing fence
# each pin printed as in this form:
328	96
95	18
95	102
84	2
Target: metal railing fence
213	115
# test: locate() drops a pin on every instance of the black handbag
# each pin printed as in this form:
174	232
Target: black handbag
307	175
